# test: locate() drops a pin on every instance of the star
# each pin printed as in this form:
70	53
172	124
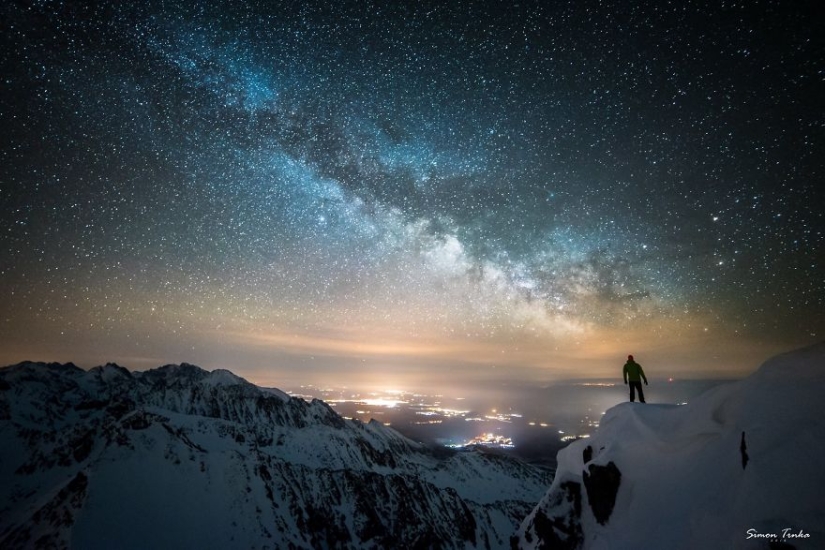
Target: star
246	185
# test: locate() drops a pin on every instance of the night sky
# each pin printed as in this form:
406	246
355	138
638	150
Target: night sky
401	192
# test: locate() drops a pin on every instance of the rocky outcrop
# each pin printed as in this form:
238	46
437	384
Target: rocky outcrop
602	485
730	469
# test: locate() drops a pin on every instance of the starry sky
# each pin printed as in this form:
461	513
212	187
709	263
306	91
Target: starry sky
401	192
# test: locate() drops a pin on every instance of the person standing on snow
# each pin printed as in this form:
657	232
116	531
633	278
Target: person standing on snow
634	374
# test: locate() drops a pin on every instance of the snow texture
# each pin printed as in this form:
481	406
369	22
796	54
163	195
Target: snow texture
178	457
738	464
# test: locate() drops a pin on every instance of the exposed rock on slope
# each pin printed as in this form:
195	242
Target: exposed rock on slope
178	457
660	476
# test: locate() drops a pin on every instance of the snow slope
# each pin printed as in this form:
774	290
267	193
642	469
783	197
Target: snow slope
682	478
178	457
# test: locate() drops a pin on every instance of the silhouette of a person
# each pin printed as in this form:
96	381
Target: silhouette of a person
634	374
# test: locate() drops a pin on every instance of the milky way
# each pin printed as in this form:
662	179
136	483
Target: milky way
367	189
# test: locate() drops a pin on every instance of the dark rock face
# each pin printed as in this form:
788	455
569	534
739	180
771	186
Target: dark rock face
743	450
602	485
557	522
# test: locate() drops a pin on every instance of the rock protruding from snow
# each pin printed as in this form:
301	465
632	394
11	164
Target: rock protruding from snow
736	465
602	485
179	457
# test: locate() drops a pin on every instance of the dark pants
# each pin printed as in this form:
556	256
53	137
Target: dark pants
636	386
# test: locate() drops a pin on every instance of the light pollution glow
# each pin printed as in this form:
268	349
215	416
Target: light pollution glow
385	194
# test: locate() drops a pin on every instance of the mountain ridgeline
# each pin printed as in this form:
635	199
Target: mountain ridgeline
178	457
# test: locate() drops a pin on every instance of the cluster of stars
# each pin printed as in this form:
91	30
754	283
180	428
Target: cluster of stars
552	181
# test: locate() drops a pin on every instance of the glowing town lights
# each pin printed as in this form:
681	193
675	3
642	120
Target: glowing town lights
487	440
382	402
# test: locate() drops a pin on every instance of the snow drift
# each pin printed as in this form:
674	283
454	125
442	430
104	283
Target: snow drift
178	457
738	467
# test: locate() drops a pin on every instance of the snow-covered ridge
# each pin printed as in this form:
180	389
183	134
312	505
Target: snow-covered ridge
739	463
179	457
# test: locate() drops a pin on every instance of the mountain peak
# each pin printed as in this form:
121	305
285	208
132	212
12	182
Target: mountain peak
185	374
200	458
742	456
110	372
223	377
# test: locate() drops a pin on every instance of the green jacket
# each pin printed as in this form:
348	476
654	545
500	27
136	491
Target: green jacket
633	371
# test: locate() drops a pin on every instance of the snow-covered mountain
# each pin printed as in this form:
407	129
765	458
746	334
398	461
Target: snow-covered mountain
740	467
178	457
